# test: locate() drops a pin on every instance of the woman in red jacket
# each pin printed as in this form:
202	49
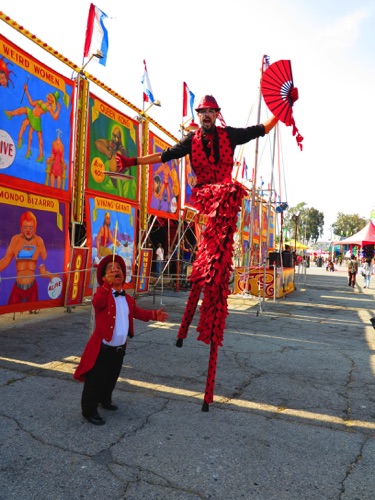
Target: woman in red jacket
102	358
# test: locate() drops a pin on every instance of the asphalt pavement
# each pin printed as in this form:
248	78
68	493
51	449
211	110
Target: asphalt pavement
293	415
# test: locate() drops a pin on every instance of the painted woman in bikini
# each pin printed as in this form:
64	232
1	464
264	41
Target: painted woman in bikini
33	119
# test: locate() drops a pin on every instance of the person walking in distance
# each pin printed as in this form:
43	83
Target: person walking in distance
159	258
352	270
367	271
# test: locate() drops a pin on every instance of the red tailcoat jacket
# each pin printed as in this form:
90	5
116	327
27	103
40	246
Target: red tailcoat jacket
105	317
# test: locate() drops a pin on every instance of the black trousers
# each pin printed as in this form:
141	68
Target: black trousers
352	277
101	379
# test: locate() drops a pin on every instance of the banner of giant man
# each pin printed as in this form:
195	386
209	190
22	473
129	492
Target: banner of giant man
111	200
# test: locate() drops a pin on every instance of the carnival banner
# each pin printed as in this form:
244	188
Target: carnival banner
36	123
245	215
262	230
145	261
190	180
164	183
111	228
242	236
111	132
256	222
271	231
75	287
33	248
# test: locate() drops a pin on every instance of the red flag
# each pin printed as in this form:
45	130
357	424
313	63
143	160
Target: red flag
96	40
184	99
187	97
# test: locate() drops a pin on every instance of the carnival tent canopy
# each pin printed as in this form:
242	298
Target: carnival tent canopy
301	246
317	252
365	236
297	245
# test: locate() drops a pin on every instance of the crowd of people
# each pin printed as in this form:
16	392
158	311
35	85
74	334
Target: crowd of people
363	266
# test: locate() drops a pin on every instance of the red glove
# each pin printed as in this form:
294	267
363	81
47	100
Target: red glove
124	163
293	94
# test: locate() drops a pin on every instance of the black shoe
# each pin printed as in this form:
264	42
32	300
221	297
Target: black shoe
94	419
109	406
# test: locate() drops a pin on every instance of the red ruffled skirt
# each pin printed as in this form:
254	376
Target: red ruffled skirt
221	204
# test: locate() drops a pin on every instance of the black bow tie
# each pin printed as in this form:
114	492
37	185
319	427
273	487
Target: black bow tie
116	294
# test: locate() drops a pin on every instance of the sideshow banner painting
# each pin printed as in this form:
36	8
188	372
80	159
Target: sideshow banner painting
164	183
263	237
145	261
33	246
246	215
264	221
112	228
111	132
256	222
35	125
271	232
75	287
241	248
190	180
246	248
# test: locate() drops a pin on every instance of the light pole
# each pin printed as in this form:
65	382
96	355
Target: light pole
295	218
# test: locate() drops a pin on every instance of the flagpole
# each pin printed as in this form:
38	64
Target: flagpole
253	193
253	190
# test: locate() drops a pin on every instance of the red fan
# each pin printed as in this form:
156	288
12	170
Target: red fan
277	90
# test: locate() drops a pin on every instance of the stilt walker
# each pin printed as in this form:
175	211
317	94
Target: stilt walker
217	196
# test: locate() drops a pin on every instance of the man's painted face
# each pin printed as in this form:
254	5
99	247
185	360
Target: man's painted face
156	188
116	268
207	118
116	141
28	229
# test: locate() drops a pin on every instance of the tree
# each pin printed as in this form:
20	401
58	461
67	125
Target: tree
314	221
310	222
346	225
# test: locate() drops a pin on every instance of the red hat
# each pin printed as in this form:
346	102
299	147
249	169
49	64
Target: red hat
208	101
100	272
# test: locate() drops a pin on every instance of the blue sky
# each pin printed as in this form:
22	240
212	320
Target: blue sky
217	48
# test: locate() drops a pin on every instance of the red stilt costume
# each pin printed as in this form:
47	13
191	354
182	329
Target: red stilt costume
219	199
211	270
